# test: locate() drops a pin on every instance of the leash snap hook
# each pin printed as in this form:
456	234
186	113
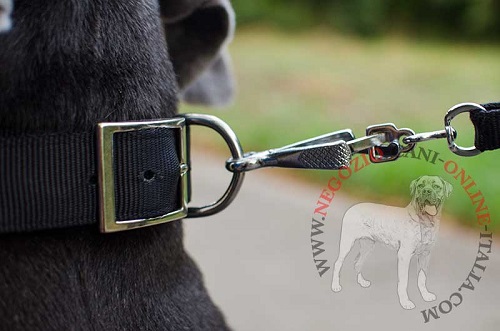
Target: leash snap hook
329	151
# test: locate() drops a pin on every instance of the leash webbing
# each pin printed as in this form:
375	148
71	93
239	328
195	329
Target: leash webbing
487	126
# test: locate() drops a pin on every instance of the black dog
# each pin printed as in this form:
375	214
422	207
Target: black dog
64	66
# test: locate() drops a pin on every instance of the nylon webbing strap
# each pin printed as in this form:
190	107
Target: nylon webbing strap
487	126
50	181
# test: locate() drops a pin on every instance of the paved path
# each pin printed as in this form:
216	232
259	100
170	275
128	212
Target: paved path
257	262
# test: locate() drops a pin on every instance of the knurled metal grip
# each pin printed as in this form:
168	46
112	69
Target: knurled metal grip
335	156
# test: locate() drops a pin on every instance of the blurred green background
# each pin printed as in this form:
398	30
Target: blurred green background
461	19
300	75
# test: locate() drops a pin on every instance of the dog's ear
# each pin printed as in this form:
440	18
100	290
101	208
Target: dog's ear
214	87
413	186
197	33
448	188
5	12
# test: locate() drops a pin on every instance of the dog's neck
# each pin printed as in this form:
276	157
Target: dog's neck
65	66
90	64
427	220
423	218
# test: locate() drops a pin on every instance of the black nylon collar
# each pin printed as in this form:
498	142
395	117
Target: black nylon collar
50	181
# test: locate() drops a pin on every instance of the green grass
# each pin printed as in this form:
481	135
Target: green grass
293	87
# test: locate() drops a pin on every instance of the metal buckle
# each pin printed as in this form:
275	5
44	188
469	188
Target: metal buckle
108	222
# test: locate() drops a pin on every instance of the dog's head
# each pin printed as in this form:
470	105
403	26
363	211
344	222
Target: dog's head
428	194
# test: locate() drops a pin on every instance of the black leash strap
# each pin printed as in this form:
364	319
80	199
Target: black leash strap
487	126
50	181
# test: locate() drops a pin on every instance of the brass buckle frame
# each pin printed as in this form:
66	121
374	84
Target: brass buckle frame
106	174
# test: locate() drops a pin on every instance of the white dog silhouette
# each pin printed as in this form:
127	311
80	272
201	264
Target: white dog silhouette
411	231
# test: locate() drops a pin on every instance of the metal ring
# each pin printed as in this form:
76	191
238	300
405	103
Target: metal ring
236	152
451	133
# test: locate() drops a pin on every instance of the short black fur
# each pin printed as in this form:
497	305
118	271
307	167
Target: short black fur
66	65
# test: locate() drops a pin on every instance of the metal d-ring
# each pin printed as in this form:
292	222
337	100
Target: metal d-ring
233	143
451	133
